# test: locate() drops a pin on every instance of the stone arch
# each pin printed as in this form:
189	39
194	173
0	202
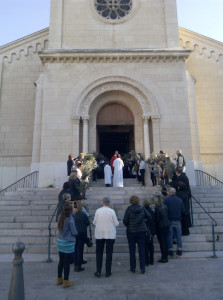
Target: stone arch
145	98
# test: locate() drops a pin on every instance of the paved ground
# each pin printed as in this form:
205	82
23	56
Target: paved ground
184	278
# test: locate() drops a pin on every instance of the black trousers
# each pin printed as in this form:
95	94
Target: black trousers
142	171
162	235
79	248
149	251
100	243
64	264
139	239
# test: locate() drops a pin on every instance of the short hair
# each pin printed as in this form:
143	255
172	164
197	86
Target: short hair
70	156
106	201
66	185
179	170
66	197
79	165
118	155
171	191
73	175
134	200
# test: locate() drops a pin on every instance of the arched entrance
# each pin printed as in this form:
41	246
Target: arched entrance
115	129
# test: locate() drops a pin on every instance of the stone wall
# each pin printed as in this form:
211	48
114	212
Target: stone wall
205	64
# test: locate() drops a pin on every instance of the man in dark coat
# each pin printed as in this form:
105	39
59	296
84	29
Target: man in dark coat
180	176
175	210
70	164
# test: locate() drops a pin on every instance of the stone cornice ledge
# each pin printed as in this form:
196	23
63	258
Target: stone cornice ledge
109	55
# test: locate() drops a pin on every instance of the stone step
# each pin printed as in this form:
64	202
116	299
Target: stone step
118	248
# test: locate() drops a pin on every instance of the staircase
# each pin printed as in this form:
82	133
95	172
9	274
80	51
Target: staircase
25	214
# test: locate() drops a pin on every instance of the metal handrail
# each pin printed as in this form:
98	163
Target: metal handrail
49	236
214	223
29	181
205	179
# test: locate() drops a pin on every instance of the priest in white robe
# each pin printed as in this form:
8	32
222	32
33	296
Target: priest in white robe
118	172
108	174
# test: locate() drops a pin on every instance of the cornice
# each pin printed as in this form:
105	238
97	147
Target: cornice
111	56
27	39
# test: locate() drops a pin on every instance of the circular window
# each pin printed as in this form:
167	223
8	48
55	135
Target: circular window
113	9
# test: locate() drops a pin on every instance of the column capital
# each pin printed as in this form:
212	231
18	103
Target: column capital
75	119
85	118
155	117
146	117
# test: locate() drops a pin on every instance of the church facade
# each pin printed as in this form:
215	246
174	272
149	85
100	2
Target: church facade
109	75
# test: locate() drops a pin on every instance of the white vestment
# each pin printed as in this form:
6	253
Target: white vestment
108	174
118	172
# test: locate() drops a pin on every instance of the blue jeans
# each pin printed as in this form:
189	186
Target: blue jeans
175	231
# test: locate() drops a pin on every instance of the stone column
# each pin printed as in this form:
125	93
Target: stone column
193	122
76	135
156	133
146	135
37	124
85	134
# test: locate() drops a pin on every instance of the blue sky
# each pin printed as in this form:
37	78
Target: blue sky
19	18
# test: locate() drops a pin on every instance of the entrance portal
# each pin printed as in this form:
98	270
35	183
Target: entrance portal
115	137
115	130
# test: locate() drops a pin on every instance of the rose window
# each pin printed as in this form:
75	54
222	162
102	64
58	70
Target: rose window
113	9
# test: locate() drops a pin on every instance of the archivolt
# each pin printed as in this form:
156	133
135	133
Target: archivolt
145	98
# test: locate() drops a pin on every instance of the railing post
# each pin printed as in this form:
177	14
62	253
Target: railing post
16	291
213	241
191	212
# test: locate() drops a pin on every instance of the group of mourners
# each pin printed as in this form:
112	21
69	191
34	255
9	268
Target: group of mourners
168	221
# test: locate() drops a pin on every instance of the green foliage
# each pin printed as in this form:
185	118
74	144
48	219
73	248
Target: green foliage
89	163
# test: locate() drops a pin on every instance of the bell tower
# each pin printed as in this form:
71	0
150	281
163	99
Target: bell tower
113	24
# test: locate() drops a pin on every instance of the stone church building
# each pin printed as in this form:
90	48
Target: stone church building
107	75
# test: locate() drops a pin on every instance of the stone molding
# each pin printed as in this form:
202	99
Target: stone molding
113	56
206	47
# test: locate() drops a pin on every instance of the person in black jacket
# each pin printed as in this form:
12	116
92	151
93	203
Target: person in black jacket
162	227
74	183
135	220
185	219
149	246
81	223
70	164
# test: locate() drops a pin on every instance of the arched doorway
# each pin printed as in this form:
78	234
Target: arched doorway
115	129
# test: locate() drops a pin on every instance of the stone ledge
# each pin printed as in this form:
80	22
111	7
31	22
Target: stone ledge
113	55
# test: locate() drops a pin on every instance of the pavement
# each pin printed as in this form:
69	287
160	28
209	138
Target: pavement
186	278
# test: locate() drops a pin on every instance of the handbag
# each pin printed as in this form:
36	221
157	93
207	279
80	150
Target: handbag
89	241
149	237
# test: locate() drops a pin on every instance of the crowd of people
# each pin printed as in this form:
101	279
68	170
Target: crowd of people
169	220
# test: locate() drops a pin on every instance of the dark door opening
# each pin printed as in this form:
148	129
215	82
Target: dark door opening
115	137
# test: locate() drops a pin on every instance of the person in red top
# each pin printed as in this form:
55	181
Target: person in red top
112	160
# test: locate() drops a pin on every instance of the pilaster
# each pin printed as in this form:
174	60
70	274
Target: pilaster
75	141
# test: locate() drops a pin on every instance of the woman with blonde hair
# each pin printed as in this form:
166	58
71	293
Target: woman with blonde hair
162	226
65	244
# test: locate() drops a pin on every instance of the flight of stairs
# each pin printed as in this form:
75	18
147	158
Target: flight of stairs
25	214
